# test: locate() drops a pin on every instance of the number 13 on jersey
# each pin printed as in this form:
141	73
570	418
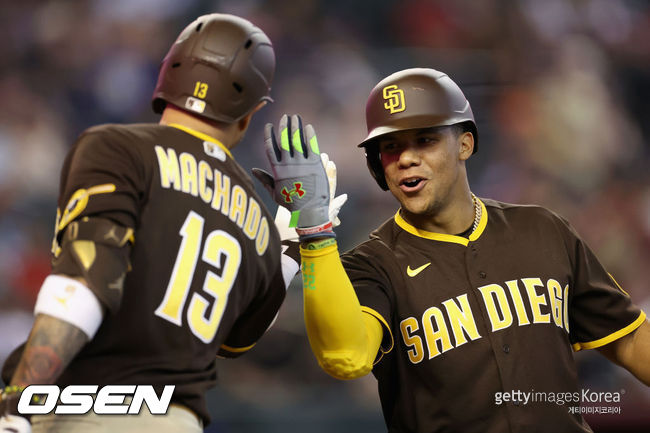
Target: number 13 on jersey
217	242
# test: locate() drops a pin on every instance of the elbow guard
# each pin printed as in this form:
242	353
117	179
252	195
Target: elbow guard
97	250
345	364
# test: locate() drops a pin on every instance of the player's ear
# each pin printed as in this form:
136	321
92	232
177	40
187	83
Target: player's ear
465	145
246	120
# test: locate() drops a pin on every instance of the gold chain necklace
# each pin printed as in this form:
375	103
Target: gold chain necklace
477	212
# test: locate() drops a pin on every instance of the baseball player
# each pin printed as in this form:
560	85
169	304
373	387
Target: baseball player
164	255
456	301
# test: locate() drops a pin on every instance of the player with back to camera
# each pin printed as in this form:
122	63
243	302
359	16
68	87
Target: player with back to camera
455	299
164	255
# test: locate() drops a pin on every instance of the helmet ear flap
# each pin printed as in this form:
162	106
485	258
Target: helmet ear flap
373	161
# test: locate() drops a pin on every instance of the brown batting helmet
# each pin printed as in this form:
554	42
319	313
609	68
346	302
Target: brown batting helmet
220	67
412	99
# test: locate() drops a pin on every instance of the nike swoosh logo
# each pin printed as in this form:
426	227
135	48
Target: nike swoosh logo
413	272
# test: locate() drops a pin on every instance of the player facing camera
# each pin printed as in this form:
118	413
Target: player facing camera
455	289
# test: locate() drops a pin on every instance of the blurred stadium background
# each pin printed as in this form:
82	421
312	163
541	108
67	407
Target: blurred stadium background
560	90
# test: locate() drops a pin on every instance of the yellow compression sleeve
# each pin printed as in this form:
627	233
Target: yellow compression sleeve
344	339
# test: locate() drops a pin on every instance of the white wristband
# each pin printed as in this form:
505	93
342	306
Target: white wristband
289	269
14	423
69	300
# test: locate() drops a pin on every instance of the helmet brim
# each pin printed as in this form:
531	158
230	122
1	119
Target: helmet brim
418	122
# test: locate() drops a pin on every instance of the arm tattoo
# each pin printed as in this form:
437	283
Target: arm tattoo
51	346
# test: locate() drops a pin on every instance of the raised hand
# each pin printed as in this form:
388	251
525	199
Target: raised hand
299	181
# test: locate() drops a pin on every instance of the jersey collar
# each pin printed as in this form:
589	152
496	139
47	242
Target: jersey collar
442	236
201	136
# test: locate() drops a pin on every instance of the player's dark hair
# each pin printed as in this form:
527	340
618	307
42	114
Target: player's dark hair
459	129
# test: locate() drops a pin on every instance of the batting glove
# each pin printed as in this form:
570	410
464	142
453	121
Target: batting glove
299	181
283	216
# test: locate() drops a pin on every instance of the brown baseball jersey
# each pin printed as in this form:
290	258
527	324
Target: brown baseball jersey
206	274
473	318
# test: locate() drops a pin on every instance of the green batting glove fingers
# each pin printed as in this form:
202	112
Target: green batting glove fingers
303	139
298	180
284	133
310	135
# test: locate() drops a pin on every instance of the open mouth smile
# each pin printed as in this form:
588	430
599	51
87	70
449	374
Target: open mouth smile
412	184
